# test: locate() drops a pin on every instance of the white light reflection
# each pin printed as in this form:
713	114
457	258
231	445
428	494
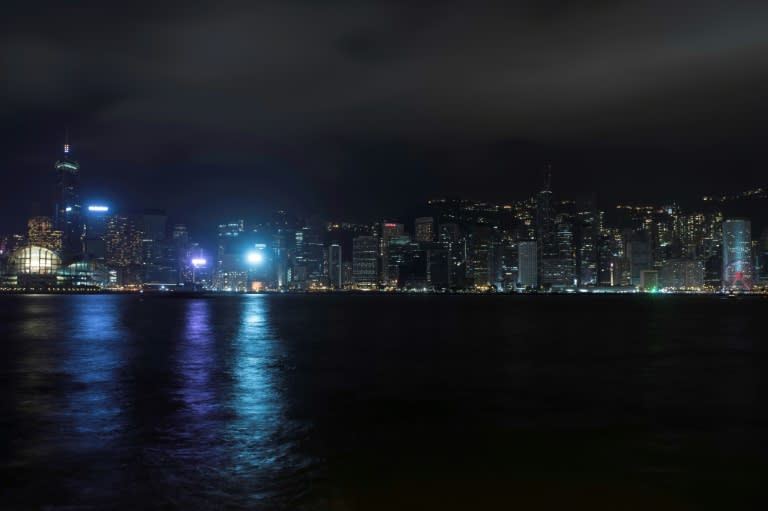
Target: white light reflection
257	398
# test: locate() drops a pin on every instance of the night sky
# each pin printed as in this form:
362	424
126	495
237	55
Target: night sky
358	110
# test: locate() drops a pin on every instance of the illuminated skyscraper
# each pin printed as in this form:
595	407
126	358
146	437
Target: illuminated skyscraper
365	256
528	268
481	256
395	258
738	273
95	232
68	218
451	239
307	269
388	231
123	242
335	267
230	258
546	235
40	233
424	228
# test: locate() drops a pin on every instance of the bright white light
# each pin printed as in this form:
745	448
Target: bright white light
98	208
66	148
68	209
197	262
255	257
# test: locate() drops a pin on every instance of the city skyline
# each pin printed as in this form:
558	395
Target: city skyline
545	242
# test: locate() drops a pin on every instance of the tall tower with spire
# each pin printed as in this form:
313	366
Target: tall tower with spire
68	211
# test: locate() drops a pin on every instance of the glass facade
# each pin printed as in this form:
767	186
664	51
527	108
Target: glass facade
738	272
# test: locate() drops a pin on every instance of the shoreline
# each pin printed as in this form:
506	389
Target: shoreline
218	294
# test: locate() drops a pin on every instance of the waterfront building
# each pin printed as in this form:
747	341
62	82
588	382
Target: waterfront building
389	230
95	232
586	246
365	256
438	265
123	248
335	267
395	258
308	263
231	270
413	267
451	239
738	271
527	264
639	256
32	266
546	236
684	274
649	280
480	268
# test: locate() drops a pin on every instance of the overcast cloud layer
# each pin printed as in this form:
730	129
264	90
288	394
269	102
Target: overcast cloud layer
355	108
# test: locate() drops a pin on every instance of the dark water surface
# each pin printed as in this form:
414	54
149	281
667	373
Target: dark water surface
383	402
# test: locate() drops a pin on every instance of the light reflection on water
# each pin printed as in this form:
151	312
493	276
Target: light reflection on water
261	436
94	362
269	402
231	427
196	360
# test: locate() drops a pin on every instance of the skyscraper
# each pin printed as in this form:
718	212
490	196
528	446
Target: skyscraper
123	248
388	231
424	228
738	273
230	258
395	258
308	263
527	265
481	255
365	255
546	234
335	267
451	239
68	211
639	255
95	232
40	233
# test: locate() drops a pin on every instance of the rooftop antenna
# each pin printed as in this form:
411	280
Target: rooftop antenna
548	178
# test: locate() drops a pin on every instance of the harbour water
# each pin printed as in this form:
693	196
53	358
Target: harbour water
383	402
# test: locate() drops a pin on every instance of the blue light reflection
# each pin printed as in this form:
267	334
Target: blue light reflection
257	400
196	359
93	361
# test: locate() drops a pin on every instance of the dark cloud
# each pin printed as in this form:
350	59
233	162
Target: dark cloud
348	107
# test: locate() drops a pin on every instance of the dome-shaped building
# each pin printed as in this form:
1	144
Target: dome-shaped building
33	266
34	260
